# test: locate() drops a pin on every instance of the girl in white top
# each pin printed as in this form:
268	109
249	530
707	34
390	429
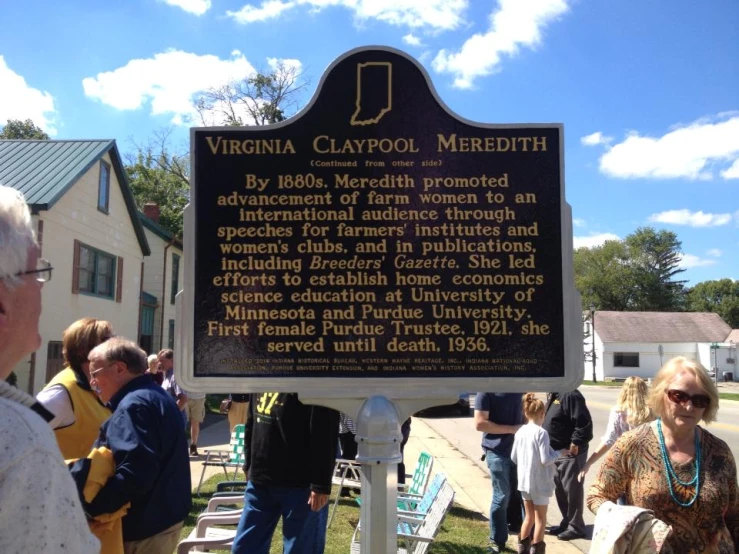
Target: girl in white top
534	459
630	411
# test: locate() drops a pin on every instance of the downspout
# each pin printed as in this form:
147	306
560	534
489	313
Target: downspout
164	293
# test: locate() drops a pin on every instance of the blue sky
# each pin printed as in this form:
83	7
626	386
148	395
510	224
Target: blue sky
647	91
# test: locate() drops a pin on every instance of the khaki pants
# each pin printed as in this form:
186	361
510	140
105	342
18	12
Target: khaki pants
161	543
237	414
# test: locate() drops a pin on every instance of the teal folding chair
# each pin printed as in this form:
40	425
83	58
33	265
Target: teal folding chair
231	458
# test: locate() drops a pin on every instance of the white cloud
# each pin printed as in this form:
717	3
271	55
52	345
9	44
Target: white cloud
412	40
435	14
593	240
168	81
577	222
196	7
689	260
269	9
692	219
689	152
595	139
515	24
19	100
731	172
715	252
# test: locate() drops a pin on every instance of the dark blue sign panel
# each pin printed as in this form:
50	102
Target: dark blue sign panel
376	234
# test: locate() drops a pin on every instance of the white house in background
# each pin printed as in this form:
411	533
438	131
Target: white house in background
639	343
88	228
162	280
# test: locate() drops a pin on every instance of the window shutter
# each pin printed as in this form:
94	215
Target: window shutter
76	268
119	281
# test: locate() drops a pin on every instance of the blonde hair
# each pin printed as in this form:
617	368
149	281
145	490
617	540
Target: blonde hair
81	337
633	400
667	374
532	406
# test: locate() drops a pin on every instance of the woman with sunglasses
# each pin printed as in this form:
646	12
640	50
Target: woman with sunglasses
674	467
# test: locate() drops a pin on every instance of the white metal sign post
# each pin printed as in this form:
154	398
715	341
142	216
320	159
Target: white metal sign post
378	254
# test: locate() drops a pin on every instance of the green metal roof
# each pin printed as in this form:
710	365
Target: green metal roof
44	170
148	298
160	231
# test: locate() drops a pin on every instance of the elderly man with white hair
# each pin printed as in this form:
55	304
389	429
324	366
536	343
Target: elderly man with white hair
41	510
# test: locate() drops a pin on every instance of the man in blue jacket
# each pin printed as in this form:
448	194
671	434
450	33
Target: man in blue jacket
149	447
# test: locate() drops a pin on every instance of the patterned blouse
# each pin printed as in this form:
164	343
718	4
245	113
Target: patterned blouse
634	468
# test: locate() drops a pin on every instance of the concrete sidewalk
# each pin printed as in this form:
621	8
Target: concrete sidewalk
473	490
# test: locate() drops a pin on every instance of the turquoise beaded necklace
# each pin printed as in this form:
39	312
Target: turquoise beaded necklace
670	471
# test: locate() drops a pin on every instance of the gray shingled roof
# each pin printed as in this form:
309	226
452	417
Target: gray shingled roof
660	327
44	170
734	335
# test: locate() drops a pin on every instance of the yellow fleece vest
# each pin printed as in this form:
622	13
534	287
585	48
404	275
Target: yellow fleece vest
75	441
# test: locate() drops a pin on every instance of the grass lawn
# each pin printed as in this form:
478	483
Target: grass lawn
462	532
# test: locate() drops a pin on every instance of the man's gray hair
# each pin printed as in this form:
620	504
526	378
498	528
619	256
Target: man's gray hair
119	349
16	235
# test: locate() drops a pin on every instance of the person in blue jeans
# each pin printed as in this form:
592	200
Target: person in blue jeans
290	456
499	416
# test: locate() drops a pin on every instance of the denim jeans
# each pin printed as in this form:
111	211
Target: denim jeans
303	531
501	471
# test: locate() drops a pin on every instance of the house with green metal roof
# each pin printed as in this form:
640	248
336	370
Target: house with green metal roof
88	227
162	280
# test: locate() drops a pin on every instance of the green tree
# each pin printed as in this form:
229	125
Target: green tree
655	257
156	175
720	297
633	274
17	129
260	99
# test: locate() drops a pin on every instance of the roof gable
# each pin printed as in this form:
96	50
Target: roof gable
159	231
44	170
660	327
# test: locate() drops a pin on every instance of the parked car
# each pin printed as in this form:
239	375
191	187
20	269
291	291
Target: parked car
460	407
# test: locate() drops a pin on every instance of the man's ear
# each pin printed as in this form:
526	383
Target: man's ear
4	304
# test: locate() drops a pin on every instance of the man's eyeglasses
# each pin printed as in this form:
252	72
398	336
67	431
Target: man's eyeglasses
700	401
43	271
106	366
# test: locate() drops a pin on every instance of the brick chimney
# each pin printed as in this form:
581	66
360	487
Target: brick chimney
151	210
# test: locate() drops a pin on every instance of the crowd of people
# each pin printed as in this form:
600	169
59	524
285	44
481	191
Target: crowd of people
665	483
100	463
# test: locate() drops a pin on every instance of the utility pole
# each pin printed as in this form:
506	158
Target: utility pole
592	338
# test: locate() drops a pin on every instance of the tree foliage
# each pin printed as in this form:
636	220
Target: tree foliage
634	274
17	129
157	175
721	297
260	99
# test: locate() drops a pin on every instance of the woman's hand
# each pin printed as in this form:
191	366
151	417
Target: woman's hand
581	475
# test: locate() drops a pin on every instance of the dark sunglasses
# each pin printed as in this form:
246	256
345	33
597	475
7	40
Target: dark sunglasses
700	401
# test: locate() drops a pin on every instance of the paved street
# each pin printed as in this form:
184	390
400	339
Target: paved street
460	432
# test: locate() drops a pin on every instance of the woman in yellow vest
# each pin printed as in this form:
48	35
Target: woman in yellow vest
78	413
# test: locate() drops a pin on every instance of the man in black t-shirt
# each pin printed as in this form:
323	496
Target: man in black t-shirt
291	451
499	416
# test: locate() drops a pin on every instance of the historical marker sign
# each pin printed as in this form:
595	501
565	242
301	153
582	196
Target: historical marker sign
377	241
